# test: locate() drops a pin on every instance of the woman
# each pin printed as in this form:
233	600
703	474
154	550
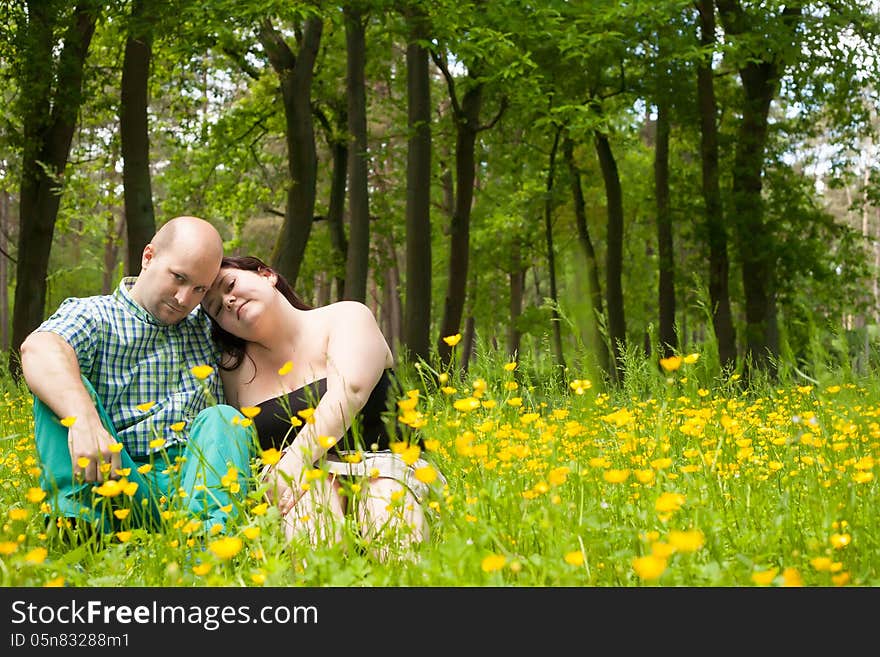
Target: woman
282	356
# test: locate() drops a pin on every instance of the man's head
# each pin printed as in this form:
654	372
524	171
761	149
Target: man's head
177	268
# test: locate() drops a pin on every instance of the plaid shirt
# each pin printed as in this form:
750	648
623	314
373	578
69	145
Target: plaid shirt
132	359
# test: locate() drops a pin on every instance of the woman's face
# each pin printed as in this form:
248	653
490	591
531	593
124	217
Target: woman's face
237	297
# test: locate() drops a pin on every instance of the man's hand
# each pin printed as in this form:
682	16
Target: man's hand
87	439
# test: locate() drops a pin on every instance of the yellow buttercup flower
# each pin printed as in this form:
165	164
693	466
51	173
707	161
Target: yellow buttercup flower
493	562
426	474
326	441
68	421
260	509
251	532
56	582
250	411
123	536
18	514
671	364
226	547
690	359
122	514
271	456
307	414
764	577
510	366
202	372
669	502
143	408
201	569
115	448
575	558
177	427
37	555
8	547
156	443
285	369
838	541
649	567
686	541
35	495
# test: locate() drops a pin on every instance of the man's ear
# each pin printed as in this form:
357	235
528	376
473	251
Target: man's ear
148	255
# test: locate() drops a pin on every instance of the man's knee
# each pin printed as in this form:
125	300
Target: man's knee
221	424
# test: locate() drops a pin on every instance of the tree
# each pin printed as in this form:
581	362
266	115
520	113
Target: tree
357	262
417	309
295	72
50	79
134	132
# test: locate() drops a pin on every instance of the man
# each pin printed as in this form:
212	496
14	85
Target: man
117	402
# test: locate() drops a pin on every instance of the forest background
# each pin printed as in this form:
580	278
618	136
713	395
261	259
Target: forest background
576	180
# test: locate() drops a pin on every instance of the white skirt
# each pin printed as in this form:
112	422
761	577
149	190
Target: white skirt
386	464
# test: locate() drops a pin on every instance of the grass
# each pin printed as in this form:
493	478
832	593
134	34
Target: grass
682	478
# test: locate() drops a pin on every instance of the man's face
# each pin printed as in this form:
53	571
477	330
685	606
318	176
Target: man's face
173	281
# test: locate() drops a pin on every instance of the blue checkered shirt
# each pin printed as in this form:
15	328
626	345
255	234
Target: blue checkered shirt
132	359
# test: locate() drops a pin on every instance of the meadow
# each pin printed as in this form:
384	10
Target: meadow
683	477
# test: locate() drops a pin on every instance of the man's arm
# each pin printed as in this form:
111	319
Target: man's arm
51	370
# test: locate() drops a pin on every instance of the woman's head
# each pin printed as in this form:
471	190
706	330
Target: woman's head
223	302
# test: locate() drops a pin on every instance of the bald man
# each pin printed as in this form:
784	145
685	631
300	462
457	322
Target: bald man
118	370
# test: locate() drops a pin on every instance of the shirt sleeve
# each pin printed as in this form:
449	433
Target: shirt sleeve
76	323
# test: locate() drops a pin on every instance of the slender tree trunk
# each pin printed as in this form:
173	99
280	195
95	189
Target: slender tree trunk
134	134
551	255
665	252
4	270
597	341
517	292
614	254
359	201
295	73
417	313
466	120
49	119
336	202
719	264
336	214
112	234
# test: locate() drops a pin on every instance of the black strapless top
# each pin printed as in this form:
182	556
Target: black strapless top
369	430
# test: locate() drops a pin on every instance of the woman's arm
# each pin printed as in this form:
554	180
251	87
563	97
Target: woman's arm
357	354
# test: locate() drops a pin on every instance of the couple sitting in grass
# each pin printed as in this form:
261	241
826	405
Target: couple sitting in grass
129	393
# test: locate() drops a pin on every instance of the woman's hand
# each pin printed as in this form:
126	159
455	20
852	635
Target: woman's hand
283	479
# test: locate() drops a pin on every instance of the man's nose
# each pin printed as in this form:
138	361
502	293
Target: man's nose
183	296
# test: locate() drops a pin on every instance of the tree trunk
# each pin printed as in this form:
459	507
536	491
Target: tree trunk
417	313
517	292
49	119
338	144
466	119
665	253
4	270
358	253
597	341
614	254
719	264
760	80
336	214
551	255
295	73
134	134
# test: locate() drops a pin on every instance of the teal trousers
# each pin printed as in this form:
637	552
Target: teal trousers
194	477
